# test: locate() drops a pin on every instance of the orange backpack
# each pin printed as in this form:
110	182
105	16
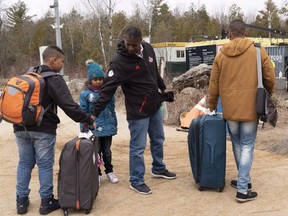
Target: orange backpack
20	102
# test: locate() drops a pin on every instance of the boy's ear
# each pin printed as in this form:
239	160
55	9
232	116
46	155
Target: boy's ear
53	59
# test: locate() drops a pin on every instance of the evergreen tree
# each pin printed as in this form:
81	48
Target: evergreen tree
17	15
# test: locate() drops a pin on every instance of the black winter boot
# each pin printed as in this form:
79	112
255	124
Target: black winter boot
48	205
22	205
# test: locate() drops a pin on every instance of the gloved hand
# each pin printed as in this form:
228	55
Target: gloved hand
167	96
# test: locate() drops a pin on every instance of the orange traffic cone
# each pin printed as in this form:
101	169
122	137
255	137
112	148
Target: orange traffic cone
197	110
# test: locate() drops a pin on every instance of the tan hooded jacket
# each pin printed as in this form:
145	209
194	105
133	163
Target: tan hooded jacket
234	79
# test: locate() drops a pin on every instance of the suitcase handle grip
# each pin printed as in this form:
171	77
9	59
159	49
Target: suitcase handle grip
77	145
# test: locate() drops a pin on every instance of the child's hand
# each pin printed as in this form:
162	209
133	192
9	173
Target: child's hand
85	125
94	125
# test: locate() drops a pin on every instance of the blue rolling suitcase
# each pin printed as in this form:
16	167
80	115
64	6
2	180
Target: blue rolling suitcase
207	151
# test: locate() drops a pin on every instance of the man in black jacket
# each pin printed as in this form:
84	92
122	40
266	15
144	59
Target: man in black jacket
134	68
36	143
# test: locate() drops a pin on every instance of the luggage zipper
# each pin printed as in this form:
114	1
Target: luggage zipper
197	128
143	103
77	204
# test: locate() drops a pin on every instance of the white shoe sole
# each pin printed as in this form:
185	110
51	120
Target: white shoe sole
245	200
162	176
113	181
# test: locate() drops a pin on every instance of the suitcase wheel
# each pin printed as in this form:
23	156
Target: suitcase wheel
220	189
87	211
201	188
65	212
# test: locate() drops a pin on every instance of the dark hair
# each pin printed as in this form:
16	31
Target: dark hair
133	32
52	51
237	28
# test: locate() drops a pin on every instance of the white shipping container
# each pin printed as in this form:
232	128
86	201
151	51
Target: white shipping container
279	55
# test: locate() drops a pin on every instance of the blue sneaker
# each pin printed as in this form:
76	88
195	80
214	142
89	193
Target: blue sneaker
165	174
142	189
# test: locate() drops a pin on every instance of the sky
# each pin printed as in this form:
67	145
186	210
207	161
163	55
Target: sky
40	7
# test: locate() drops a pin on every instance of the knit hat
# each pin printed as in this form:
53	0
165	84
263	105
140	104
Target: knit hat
94	70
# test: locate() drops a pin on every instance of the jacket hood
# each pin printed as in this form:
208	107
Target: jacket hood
236	47
121	49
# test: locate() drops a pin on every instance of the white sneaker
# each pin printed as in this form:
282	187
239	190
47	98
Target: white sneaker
112	177
99	180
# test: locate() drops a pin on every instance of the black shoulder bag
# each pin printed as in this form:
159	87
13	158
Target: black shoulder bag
265	107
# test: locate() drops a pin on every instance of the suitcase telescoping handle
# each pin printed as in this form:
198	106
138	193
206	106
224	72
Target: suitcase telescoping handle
77	146
85	135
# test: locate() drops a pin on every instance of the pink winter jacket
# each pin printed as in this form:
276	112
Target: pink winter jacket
234	79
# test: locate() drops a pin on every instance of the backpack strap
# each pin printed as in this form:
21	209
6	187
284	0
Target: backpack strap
43	111
49	73
38	70
45	75
31	69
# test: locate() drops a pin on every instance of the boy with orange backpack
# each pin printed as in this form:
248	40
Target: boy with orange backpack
36	142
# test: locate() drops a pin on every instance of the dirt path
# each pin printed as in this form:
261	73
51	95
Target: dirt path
170	197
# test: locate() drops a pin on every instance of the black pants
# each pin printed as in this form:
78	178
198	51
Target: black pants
105	153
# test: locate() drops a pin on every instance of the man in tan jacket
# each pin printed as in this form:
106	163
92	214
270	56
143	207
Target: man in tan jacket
234	79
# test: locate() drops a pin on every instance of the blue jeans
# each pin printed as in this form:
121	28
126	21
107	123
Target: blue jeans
138	137
35	148
243	137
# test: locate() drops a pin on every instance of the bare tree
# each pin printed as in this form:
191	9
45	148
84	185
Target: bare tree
235	12
96	7
73	23
1	24
149	13
105	11
110	7
1	10
151	10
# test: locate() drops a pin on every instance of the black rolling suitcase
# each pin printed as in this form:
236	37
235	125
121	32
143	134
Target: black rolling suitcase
78	175
207	151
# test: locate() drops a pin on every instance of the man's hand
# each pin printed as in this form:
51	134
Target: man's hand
167	96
